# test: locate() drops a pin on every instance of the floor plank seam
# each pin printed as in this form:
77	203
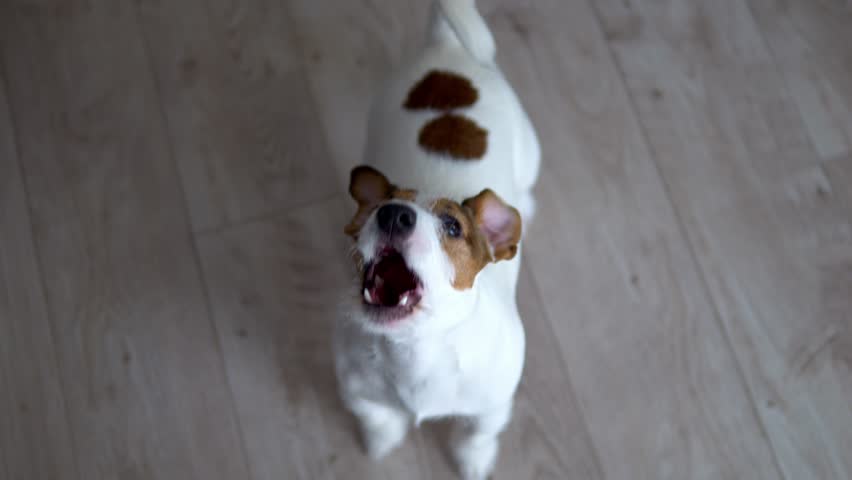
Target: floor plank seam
776	59
839	158
684	235
196	257
567	372
265	217
16	147
305	63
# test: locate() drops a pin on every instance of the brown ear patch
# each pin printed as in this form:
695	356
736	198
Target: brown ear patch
369	188
499	223
469	252
404	194
441	90
454	135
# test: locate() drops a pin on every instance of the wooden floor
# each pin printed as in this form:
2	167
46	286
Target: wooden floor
171	214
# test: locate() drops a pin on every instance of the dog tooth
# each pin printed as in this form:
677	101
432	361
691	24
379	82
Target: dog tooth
367	296
404	300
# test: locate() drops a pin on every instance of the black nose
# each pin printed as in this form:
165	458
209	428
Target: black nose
396	219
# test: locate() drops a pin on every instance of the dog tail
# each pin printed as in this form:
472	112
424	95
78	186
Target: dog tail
459	22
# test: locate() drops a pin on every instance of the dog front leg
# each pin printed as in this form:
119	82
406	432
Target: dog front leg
475	442
383	427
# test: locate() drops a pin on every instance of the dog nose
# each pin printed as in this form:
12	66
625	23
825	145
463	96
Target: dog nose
396	219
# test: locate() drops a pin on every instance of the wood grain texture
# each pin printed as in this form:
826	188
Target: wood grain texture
616	280
798	28
349	48
140	366
239	111
773	239
35	441
548	438
686	282
839	173
810	42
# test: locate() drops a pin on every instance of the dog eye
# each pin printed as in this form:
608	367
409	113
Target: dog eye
451	226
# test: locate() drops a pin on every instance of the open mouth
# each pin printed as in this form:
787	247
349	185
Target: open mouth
390	285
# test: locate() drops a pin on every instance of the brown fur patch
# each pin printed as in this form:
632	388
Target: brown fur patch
370	189
469	252
454	135
503	238
404	194
441	90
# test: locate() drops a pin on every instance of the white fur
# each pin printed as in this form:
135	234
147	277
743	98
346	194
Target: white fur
461	353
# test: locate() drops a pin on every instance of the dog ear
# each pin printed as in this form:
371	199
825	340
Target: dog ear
498	222
368	188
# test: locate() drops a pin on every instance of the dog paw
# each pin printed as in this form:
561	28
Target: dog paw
475	460
380	439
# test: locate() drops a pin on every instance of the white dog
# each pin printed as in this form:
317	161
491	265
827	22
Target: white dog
434	330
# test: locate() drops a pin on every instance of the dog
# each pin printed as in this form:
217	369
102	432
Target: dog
431	329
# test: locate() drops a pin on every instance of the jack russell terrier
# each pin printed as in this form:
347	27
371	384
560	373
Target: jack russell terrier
433	329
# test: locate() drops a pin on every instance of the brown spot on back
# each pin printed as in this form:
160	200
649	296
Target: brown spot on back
454	135
469	252
441	90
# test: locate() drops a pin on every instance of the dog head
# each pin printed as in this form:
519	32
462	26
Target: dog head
419	258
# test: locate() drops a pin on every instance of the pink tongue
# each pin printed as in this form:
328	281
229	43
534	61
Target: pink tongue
396	279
